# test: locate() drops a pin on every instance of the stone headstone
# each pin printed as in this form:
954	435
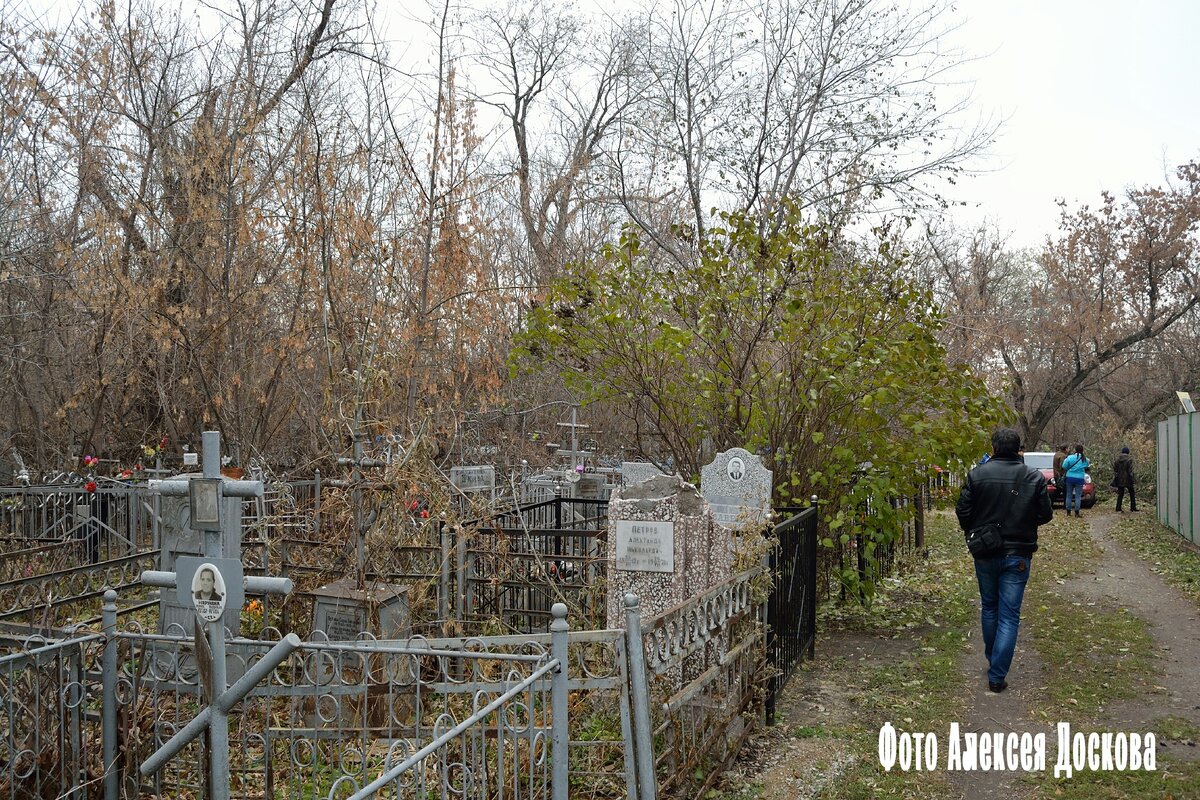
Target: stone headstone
637	471
663	545
738	487
342	612
474	479
590	487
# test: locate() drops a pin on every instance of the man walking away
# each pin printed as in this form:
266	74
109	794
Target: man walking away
1005	492
1123	478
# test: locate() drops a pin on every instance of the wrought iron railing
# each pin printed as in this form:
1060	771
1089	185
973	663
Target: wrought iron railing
792	607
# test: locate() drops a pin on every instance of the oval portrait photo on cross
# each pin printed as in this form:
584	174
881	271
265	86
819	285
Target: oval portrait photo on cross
208	593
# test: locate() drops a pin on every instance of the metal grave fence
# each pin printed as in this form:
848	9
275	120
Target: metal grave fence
514	566
417	718
792	606
115	520
49	709
338	715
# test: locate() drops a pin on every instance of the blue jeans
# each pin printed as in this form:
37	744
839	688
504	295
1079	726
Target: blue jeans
1074	493
1001	588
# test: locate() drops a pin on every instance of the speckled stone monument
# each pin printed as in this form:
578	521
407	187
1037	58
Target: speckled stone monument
637	471
738	487
664	545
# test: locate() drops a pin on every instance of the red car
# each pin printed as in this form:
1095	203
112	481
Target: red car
1045	462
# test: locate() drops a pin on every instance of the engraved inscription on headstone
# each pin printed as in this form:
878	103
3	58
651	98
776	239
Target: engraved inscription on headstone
474	479
344	625
738	488
645	546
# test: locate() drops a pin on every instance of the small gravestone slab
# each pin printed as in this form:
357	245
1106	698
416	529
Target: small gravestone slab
738	488
645	546
637	471
340	611
590	487
480	478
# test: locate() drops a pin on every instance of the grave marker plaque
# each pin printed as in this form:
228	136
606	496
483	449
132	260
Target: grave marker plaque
645	546
481	478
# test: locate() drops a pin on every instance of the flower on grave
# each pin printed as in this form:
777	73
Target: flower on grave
138	467
162	443
90	461
148	451
425	513
125	473
579	468
90	486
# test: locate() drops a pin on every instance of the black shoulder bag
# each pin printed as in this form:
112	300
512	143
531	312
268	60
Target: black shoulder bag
985	541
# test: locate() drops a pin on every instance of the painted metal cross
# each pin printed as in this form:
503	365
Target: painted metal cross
211	584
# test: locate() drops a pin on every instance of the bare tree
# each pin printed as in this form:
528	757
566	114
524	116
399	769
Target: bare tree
1103	311
833	102
562	85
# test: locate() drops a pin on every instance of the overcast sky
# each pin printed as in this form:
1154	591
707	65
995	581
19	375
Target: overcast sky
1094	94
1097	94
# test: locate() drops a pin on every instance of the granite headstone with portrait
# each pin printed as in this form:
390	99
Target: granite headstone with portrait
738	488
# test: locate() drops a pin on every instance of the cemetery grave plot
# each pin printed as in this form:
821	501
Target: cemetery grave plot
480	590
61	546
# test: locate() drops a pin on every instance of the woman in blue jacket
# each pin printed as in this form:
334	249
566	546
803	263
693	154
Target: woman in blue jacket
1075	466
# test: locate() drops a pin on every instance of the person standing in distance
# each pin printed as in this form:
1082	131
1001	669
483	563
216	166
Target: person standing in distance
1060	477
1123	479
1075	466
1006	492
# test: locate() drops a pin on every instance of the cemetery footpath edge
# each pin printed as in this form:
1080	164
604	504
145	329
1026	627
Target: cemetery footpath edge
1110	641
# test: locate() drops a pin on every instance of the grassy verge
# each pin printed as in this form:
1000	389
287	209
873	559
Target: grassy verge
926	611
1172	780
1094	655
1163	550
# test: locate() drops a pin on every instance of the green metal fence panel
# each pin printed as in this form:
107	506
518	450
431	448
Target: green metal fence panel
1161	474
1189	524
1178	457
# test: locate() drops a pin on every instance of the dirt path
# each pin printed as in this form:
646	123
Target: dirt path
789	762
790	765
1006	712
1122	578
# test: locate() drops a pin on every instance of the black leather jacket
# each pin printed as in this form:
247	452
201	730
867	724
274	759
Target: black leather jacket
988	496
